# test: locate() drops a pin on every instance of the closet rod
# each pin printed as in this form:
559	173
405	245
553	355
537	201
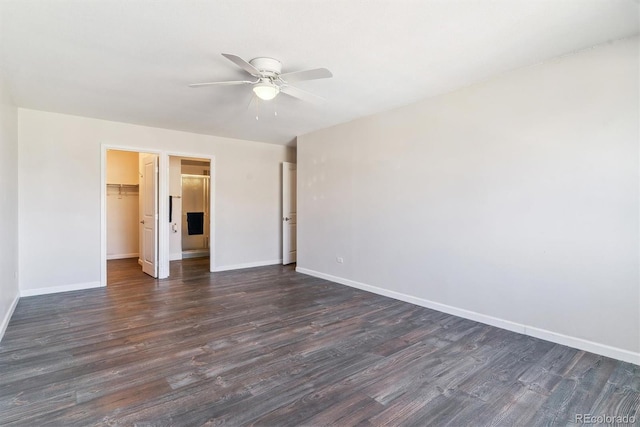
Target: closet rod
133	187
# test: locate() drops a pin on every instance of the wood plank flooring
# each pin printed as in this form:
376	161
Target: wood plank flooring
271	347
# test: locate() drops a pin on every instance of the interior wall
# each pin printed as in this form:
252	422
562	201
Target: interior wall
9	291
122	167
175	190
60	154
122	205
514	201
196	169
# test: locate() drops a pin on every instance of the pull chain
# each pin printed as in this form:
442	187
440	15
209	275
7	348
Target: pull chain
257	108
275	107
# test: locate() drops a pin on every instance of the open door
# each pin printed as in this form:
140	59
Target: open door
149	211
289	213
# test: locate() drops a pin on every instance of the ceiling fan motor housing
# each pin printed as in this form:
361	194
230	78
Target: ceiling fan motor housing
267	66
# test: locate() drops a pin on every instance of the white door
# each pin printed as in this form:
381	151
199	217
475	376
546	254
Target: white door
289	213
149	221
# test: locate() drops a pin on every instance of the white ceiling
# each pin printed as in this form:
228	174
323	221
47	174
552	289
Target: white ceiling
131	60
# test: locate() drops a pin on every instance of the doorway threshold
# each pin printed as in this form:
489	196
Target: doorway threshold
195	253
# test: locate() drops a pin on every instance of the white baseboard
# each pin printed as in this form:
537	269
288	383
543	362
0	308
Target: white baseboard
555	337
7	317
123	256
247	265
56	289
175	257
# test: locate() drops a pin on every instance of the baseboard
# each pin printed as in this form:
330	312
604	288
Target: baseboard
56	289
7	317
123	256
175	257
555	337
247	265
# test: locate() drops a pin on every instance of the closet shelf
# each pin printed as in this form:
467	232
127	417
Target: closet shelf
122	189
124	186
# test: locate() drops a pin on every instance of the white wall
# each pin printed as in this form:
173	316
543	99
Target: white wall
60	236
514	202
9	291
175	227
122	205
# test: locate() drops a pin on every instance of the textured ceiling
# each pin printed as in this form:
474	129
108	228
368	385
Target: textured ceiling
131	60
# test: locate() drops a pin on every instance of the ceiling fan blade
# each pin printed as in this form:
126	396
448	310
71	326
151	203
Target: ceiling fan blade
302	94
298	76
229	83
242	64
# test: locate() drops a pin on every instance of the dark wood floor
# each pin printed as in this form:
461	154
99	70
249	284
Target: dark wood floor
269	346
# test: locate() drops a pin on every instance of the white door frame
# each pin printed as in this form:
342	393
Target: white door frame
212	192
163	205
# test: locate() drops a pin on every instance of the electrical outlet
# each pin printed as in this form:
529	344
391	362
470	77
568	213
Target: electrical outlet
339	260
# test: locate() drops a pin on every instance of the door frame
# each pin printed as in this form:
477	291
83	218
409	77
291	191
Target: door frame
163	204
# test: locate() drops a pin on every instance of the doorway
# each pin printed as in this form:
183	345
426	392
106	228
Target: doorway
189	204
166	230
289	213
195	216
132	208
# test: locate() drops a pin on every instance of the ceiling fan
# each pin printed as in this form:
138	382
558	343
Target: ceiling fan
270	80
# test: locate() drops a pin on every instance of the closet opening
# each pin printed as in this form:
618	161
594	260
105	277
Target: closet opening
131	211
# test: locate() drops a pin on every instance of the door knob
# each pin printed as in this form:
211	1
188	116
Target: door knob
142	222
286	219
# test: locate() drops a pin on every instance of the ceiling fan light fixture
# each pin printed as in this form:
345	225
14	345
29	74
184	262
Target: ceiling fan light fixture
270	79
266	91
